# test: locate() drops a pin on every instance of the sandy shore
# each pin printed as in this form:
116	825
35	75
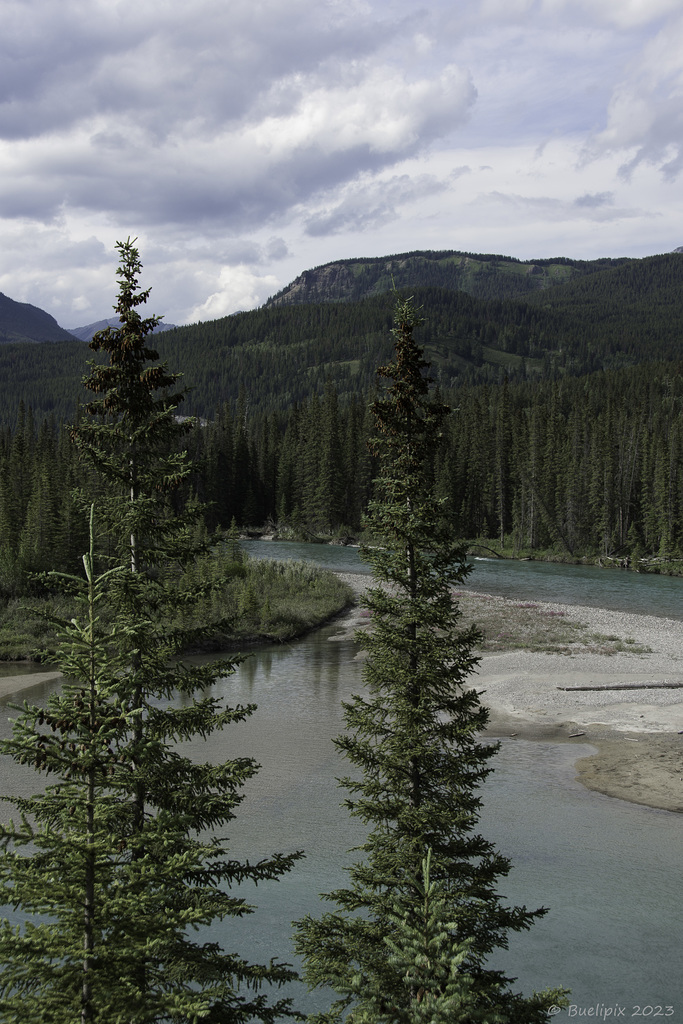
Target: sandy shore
638	733
17	681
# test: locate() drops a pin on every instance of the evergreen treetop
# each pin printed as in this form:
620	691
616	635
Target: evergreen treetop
129	432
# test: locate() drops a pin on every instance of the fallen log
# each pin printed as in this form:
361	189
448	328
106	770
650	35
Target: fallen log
626	686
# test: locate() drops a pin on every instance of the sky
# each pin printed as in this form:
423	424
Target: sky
245	141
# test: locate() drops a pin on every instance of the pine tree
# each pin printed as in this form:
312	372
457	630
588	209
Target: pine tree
129	432
413	741
129	857
118	895
329	493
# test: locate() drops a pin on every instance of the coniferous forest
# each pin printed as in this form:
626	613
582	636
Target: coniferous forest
565	439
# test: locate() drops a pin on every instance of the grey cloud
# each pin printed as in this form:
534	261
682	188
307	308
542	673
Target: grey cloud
371	205
167	247
644	115
662	140
56	251
596	207
176	117
206	62
592	200
658	142
277	249
234	185
350	216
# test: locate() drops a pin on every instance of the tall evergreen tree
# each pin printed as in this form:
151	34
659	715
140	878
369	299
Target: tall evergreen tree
414	742
128	853
129	431
435	988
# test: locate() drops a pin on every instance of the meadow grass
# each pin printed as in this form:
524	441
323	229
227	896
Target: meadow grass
245	602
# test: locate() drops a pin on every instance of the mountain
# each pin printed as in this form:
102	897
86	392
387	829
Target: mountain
21	322
482	276
86	333
623	313
598	315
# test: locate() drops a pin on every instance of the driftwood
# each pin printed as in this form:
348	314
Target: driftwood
627	686
485	548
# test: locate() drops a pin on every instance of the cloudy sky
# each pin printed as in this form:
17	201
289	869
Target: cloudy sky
244	141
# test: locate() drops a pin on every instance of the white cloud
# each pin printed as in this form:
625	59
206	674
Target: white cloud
622	13
645	112
238	288
598	207
243	142
368	204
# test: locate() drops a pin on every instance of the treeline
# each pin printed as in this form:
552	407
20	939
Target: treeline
581	466
590	466
42	526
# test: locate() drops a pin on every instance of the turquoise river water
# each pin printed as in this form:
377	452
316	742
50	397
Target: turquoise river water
609	871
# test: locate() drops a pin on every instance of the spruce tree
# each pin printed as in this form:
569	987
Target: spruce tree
127	856
129	431
435	989
101	894
414	743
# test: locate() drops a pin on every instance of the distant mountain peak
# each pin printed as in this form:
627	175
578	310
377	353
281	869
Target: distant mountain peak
22	322
86	333
482	275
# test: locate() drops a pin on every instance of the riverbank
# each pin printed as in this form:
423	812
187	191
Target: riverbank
655	565
531	693
250	602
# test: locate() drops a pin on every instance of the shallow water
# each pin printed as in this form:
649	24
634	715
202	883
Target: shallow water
609	870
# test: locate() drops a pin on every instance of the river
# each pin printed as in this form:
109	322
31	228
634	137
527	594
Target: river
617	589
610	871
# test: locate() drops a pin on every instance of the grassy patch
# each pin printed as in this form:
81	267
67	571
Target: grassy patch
525	625
274	601
257	600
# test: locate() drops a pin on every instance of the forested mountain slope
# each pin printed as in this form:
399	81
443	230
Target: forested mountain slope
483	276
621	314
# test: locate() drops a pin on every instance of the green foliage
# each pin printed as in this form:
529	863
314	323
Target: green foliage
541	455
414	739
123	895
287	600
128	859
429	961
577	467
485	276
490	317
131	434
